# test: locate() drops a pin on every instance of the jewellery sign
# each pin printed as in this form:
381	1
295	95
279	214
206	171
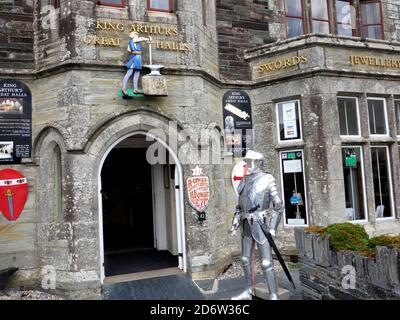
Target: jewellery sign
237	121
15	122
198	190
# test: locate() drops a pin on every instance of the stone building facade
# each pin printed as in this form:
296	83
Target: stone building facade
325	108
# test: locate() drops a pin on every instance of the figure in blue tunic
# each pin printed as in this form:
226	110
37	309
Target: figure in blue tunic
134	65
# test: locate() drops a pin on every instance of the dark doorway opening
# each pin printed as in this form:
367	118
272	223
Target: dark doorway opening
128	230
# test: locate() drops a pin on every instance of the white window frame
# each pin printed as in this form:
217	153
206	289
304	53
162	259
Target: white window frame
386	118
393	216
278	123
397	116
285	225
365	220
358	117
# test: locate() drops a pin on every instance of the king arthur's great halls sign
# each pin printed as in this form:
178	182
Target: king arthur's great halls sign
111	33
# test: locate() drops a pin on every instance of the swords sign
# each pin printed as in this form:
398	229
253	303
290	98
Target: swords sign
13	193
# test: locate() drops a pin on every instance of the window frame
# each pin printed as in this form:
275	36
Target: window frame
285	225
364	185
330	17
108	4
387	134
358	117
397	117
361	25
278	122
392	210
170	5
303	19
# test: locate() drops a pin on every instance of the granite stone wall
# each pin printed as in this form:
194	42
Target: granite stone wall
326	274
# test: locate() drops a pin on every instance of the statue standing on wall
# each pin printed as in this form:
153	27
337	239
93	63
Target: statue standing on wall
256	190
134	65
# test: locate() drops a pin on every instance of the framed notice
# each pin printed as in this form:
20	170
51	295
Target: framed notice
288	119
15	122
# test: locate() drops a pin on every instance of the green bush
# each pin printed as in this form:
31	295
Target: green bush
348	236
385	241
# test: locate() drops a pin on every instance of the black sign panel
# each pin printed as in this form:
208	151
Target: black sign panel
238	125
15	122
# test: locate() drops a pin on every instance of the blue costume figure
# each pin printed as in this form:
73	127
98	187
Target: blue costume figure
134	65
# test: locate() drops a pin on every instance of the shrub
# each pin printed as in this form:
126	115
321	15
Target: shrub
385	241
348	236
315	229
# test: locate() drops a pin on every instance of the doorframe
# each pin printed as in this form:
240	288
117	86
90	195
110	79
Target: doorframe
180	209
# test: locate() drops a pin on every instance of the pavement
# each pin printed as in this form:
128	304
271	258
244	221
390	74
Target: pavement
182	287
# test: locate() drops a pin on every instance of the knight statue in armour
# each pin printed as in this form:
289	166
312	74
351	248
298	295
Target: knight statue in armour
256	190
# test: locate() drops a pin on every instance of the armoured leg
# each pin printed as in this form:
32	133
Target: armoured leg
246	263
267	265
126	78
136	80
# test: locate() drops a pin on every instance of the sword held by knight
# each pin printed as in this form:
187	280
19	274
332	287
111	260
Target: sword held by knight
256	190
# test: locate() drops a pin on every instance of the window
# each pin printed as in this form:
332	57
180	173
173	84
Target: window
293	186
57	184
112	3
320	16
353	174
344	18
160	5
382	182
288	114
377	116
397	110
371	19
348	116
294	18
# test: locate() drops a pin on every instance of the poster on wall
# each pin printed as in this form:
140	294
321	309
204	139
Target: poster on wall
238	124
289	120
15	122
198	189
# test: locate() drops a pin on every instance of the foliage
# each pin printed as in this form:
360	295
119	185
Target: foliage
385	241
348	236
315	229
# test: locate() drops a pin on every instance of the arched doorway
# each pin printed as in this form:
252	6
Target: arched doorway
141	216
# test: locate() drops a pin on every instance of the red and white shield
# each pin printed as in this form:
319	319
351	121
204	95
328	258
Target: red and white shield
198	190
237	175
13	193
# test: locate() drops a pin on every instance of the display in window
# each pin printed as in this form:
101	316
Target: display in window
294	187
289	121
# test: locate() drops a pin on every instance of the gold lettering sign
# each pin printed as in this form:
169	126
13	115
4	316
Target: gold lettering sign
282	64
140	28
375	62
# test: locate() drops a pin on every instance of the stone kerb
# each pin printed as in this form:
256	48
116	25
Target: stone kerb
328	274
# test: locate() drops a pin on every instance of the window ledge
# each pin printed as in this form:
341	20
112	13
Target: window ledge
164	17
353	139
381	139
290	144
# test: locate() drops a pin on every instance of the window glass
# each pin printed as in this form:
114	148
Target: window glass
320	26
353	176
294	8
119	3
381	179
160	5
348	117
289	120
377	116
373	32
294	195
344	12
371	21
294	27
319	9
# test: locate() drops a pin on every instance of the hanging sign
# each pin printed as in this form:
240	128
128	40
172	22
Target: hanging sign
13	193
237	121
351	161
198	190
237	175
15	122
